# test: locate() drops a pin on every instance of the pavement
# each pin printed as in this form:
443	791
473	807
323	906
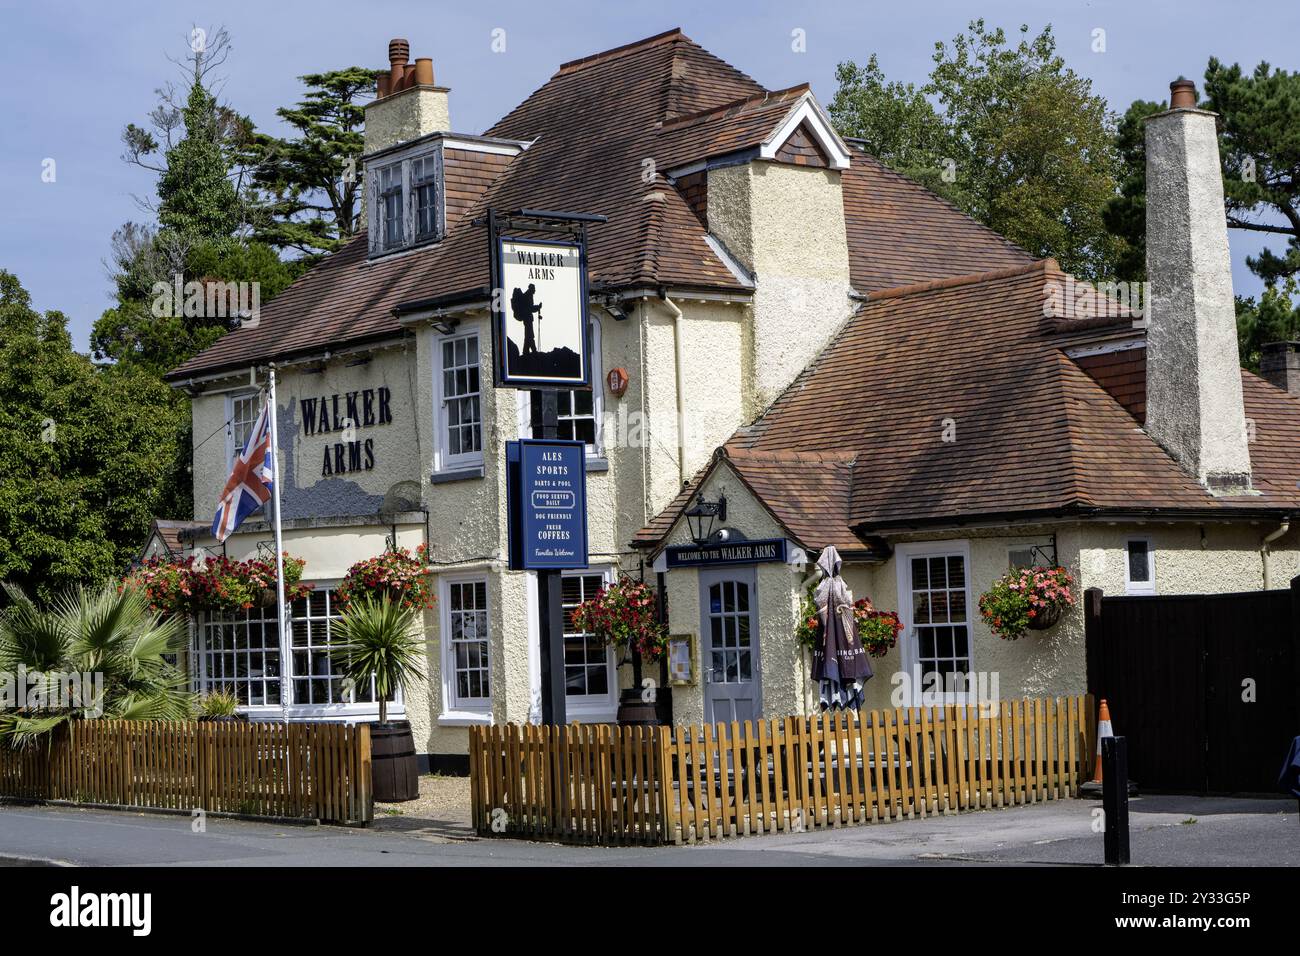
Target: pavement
1164	830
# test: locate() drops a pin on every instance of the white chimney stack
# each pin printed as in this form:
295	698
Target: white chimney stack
1194	401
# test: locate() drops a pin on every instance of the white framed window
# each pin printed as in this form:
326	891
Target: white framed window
241	416
242	654
406	201
460	408
589	676
581	412
935	607
466	648
1139	566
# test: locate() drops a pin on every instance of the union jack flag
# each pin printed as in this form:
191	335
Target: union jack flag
251	480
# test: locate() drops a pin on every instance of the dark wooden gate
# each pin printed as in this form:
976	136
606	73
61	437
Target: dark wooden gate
1177	672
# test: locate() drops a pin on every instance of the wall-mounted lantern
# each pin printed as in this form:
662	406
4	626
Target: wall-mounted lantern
701	515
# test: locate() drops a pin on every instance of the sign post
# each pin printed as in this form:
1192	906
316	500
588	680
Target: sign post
534	277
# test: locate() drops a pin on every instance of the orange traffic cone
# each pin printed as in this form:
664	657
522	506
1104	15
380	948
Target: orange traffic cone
1104	729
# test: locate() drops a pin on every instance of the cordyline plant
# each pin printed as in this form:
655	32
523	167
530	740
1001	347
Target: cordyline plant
397	574
382	642
96	631
1020	597
623	614
217	585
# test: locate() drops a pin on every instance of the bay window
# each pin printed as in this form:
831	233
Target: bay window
241	653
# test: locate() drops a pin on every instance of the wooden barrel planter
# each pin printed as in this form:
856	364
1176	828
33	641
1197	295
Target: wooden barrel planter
635	712
394	771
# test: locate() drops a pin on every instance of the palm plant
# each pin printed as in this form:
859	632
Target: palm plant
381	643
99	631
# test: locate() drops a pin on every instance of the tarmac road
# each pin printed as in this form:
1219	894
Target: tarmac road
1225	832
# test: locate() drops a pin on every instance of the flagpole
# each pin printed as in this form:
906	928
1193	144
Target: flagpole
283	630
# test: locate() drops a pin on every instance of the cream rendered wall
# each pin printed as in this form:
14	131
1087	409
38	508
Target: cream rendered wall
786	226
398	447
1053	662
782	669
1040	663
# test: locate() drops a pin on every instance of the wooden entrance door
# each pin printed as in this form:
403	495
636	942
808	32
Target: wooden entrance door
729	644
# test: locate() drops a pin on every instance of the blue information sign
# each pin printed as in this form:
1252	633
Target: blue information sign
547	486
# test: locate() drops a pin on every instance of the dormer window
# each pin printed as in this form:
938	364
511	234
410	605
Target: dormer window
406	207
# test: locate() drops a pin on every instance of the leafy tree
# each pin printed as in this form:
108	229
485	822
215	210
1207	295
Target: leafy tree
1126	213
313	180
1275	317
87	454
1259	141
1015	139
199	151
894	120
93	631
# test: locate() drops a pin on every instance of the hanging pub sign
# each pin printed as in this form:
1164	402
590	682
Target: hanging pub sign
540	312
546	484
741	552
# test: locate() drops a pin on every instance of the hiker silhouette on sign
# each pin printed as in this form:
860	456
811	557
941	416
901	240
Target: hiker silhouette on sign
521	304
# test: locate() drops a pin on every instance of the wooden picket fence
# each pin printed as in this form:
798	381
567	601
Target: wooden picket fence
315	771
603	784
586	783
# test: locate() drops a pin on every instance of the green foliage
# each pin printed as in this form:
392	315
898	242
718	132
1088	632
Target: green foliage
1275	317
894	120
86	454
383	643
312	181
1021	595
218	703
197	199
1126	213
1014	138
1259	142
94	631
133	333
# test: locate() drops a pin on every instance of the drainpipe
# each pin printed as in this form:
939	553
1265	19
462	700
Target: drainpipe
1282	529
677	374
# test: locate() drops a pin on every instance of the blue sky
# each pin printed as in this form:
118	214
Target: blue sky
72	74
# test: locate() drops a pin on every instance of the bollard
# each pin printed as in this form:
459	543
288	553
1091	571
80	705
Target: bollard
1114	798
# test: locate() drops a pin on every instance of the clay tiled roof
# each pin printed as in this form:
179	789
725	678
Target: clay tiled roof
957	403
739	125
592	126
900	233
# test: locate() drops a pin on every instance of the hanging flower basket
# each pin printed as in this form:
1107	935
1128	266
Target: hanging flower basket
219	585
623	614
877	630
1046	617
398	574
1027	599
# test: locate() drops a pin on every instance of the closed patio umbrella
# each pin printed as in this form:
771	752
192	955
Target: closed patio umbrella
840	664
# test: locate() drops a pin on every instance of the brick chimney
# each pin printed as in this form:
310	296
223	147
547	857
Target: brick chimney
1280	365
407	104
1194	401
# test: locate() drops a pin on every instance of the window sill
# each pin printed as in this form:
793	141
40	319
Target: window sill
465	473
597	464
464	718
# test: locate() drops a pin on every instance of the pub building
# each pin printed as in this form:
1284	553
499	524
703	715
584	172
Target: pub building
791	347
